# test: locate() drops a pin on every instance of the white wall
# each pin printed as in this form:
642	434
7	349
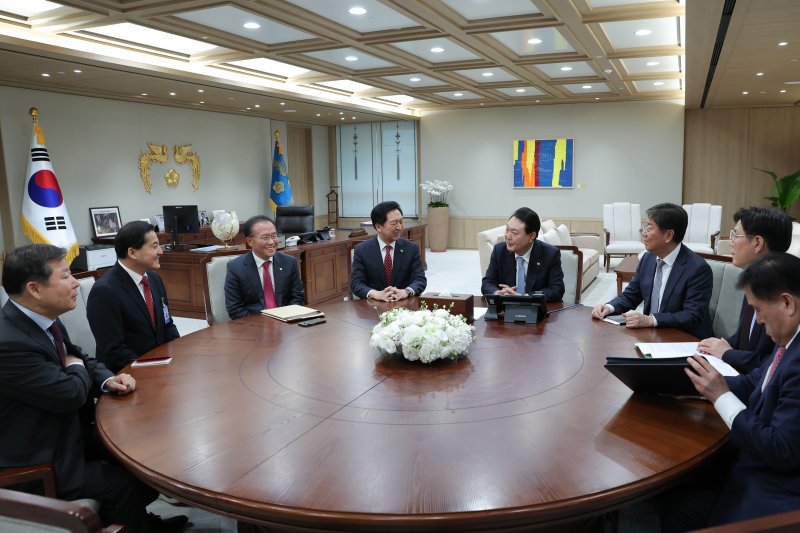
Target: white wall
94	146
320	167
631	151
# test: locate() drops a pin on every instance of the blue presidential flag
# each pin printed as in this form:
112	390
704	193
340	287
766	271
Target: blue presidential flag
280	192
44	215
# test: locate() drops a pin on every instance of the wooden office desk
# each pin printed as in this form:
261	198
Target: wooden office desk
324	268
309	429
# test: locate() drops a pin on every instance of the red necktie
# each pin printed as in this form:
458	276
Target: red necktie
148	300
775	362
269	292
387	265
58	340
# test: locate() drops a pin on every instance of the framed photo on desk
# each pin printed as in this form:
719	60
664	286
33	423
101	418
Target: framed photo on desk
105	221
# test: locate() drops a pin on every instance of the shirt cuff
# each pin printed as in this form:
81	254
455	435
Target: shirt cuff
103	386
610	308
410	291
655	322
728	406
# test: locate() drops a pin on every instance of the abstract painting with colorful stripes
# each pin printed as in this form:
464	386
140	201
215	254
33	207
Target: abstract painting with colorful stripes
543	163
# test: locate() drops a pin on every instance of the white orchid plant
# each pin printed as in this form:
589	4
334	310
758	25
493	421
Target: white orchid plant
438	191
422	335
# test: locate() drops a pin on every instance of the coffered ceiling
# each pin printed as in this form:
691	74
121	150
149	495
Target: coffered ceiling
321	61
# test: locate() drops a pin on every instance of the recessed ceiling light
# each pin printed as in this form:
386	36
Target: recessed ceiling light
487	74
520	90
252	25
357	11
351	58
534	41
353	118
231	98
762	92
257	105
247	108
745	92
782	91
437	49
458	94
658	83
283	103
45	75
172	94
144	94
566	69
643	32
342	118
586	87
652	63
782	43
319	115
77	71
341	112
597	98
537	101
202	102
414	79
200	90
290	111
759	73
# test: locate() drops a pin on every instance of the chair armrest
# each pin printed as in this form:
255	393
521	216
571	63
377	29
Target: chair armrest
43	472
723	247
52	512
714	237
608	236
587	240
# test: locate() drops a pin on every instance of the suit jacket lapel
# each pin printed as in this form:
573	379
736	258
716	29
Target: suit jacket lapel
30	328
132	290
398	262
676	273
278	275
534	261
252	274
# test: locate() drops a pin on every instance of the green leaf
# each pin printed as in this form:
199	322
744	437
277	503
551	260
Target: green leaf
774	176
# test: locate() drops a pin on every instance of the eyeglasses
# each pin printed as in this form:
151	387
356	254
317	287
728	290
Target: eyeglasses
733	235
647	229
271	237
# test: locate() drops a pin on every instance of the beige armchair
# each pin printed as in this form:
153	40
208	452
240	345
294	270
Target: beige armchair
703	228
215	268
622	222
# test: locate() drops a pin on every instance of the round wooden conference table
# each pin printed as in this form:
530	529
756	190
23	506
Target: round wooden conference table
310	429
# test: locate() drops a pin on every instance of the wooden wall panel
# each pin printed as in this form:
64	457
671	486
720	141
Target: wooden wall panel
297	151
774	145
715	159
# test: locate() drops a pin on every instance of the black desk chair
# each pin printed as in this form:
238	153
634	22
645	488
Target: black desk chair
294	219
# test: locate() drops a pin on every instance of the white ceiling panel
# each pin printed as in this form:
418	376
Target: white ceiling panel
658	85
485	9
525	42
587	88
151	38
622	34
459	95
339	57
232	20
487	75
378	16
423	49
521	92
649	65
346	85
270	67
415	80
613	3
27	8
567	69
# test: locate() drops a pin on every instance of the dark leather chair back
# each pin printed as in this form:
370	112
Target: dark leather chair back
294	219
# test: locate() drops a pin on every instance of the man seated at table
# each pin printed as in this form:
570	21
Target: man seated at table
48	390
673	282
761	409
128	309
522	264
389	267
758	231
264	278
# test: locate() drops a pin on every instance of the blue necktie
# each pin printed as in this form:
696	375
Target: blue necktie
520	274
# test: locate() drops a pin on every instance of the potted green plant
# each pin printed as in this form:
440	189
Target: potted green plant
786	190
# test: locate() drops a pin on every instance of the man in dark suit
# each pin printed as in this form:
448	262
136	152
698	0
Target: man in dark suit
758	231
521	264
673	281
127	308
265	278
389	267
47	391
761	408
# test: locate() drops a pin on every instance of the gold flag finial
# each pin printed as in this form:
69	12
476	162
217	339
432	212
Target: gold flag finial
277	134
39	135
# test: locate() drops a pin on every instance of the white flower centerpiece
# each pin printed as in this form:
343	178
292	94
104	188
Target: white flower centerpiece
422	335
438	191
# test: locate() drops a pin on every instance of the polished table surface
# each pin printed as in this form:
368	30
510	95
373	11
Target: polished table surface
310	429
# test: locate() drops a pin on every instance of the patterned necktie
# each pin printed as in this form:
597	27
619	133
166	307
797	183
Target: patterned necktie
387	265
269	292
58	340
148	300
520	274
775	362
656	296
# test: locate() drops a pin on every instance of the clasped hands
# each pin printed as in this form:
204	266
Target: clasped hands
633	319
505	289
121	384
390	294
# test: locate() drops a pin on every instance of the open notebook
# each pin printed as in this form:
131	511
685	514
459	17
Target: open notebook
292	313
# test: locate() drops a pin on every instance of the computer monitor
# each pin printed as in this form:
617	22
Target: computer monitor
180	219
528	308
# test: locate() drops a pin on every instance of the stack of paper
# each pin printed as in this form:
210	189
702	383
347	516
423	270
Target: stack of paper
659	350
292	313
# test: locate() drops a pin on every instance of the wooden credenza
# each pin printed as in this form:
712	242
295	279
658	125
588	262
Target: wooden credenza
324	267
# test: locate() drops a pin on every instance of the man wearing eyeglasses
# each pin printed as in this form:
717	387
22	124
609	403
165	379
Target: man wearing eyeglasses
758	231
673	282
264	278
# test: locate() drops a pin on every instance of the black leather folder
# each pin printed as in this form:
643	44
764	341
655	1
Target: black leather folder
653	376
